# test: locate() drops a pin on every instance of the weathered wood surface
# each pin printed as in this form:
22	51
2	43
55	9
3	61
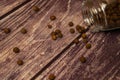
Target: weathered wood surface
38	50
103	60
9	6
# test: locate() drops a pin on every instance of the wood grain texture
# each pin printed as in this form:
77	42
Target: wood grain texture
103	60
38	50
8	6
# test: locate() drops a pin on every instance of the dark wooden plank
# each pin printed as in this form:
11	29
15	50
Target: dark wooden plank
9	6
34	47
103	60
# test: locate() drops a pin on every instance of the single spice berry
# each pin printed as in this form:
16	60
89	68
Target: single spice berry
23	31
54	37
35	8
49	26
57	31
72	31
82	59
71	24
52	17
78	27
83	29
51	77
6	30
84	36
88	46
16	50
85	40
60	35
76	41
20	62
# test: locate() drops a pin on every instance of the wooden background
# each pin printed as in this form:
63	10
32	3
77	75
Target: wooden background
43	56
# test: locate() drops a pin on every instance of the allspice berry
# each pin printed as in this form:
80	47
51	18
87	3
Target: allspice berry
20	62
49	26
52	17
23	31
72	31
84	36
71	24
82	59
51	77
16	50
6	30
88	46
35	8
76	41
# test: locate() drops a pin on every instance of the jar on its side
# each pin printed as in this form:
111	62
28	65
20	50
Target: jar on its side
102	15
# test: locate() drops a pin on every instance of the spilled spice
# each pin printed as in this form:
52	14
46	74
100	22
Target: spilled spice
72	31
84	36
6	30
52	18
88	46
71	24
20	62
82	59
35	8
49	26
23	31
16	50
76	41
51	77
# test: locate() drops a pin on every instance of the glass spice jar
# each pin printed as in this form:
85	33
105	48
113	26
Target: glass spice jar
103	15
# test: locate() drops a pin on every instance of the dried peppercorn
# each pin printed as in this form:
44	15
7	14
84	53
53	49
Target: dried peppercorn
71	24
23	31
54	37
6	30
76	41
49	26
88	46
16	50
82	59
78	27
51	77
85	40
72	31
20	62
84	36
60	35
35	8
52	17
57	31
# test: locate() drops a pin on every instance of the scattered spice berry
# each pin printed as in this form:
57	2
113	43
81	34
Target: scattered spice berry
88	46
60	35
52	17
23	31
49	26
82	59
72	31
78	27
16	50
76	41
6	30
35	8
57	31
85	40
83	29
71	24
84	36
51	77
20	62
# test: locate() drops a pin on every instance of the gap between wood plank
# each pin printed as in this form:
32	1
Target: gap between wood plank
55	58
14	9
